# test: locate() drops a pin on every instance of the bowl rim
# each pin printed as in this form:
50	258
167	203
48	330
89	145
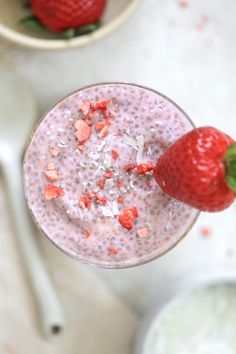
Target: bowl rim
52	44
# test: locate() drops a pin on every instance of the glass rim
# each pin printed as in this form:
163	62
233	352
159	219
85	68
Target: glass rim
84	260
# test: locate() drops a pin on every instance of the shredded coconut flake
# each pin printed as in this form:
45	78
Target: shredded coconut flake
81	214
107	160
106	211
140	141
130	141
115	209
123	190
101	146
108	183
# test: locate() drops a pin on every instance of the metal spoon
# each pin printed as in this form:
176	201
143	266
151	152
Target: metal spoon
17	116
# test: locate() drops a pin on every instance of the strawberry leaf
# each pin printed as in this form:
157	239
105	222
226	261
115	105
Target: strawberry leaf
231	182
231	153
230	159
32	22
69	33
87	28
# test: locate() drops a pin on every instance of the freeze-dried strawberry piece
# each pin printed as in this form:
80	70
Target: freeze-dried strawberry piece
125	220
130	167
100	200
83	131
92	115
128	216
54	152
112	250
132	210
142	232
100	125
90	195
87	233
51	191
88	121
103	201
119	184
101	183
120	199
144	168
85	107
52	173
84	203
104	132
115	154
102	105
108	174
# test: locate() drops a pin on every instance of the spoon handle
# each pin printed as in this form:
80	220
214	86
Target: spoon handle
47	300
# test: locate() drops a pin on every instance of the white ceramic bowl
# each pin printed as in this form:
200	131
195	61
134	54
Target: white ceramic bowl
175	291
11	11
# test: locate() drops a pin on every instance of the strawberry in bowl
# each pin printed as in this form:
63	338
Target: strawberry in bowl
70	17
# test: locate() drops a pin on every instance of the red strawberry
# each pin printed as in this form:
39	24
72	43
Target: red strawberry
58	15
200	169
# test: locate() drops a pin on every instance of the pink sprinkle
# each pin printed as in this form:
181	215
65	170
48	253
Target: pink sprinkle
85	107
202	23
87	233
112	250
53	151
206	231
52	173
183	3
142	232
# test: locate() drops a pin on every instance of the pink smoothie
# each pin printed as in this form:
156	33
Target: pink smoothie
87	219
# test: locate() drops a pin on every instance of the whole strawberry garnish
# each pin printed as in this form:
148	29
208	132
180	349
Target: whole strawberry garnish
59	15
199	169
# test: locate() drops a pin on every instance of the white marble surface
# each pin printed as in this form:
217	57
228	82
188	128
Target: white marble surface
161	47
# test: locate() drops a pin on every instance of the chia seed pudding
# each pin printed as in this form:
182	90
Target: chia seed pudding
88	175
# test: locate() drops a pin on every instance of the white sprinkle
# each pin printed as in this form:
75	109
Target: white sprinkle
108	183
94	155
92	207
82	164
101	146
123	190
95	164
84	183
81	214
106	211
130	141
115	209
131	183
62	144
140	141
107	160
149	152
